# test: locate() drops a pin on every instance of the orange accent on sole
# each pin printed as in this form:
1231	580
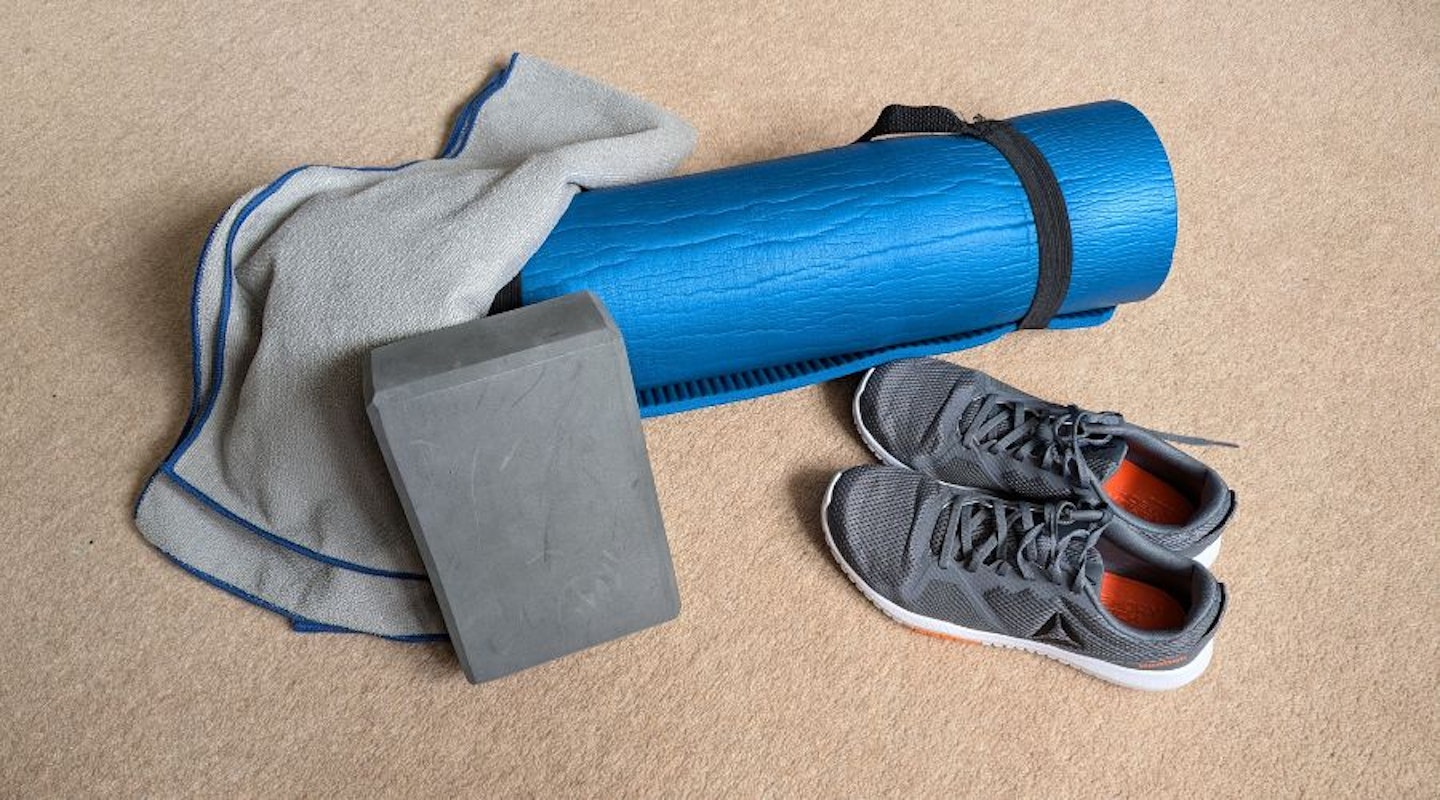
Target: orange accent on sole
1148	497
1140	605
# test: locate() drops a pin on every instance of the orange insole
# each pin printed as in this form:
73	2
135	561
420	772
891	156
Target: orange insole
1148	497
1140	605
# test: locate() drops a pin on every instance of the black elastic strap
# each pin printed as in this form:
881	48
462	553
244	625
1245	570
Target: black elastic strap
507	299
1047	202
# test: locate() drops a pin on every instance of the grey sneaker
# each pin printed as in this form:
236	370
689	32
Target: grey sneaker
965	428
1072	584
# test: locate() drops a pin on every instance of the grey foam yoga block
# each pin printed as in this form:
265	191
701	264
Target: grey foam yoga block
514	442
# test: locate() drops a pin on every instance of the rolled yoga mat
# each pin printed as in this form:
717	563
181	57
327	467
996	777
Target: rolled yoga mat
759	278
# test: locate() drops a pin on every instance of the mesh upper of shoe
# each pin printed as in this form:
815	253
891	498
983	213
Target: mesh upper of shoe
906	406
902	400
872	517
871	514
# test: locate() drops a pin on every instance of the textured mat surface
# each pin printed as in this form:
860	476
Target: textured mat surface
1301	319
740	282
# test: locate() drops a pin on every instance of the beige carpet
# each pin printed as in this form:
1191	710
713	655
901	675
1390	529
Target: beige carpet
1301	319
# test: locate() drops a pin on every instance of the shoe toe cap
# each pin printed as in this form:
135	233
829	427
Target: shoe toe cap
869	516
900	402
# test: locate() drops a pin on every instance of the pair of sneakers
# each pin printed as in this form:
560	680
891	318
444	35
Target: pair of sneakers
1007	520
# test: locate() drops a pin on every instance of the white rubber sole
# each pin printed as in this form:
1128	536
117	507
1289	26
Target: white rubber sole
1144	679
1205	558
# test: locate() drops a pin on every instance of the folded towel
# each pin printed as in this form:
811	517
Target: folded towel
276	491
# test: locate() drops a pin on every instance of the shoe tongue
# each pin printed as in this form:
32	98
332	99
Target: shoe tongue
1094	567
1075	557
1104	459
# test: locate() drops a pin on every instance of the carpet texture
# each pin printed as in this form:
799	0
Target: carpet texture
1301	319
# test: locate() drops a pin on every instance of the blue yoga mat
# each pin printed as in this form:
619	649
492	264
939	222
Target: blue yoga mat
754	279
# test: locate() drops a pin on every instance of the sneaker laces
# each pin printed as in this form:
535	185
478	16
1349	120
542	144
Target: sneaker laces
1032	540
1054	440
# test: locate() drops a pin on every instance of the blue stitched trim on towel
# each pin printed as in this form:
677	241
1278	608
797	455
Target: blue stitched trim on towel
201	408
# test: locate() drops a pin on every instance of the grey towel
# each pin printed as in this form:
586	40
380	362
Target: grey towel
276	491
